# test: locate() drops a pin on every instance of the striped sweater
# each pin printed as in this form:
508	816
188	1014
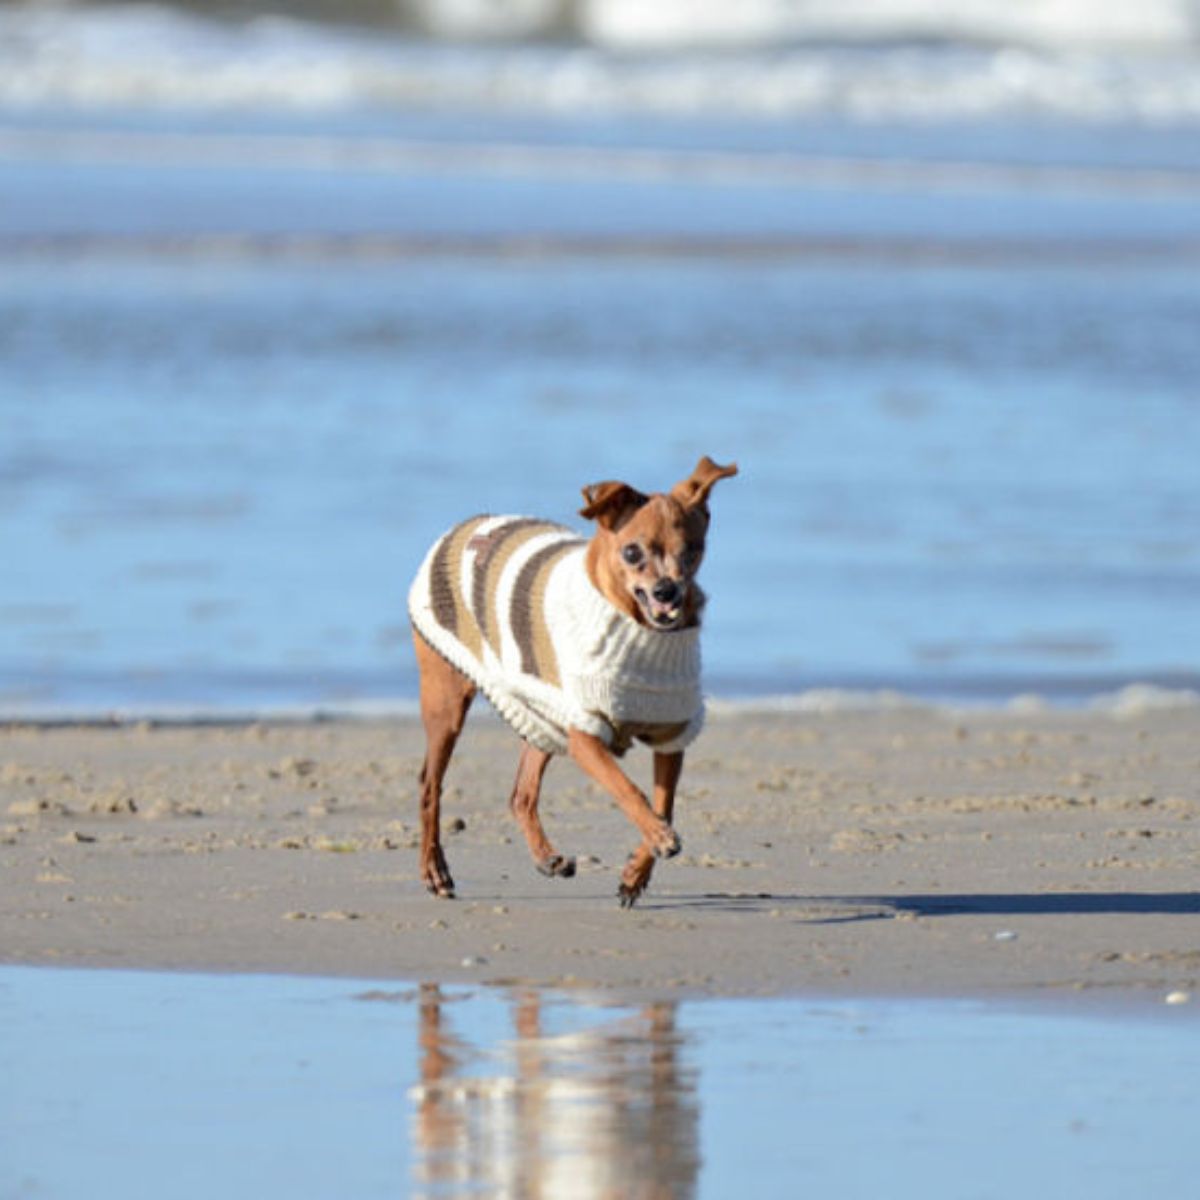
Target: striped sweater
508	601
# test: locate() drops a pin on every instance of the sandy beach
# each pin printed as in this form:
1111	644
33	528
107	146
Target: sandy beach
904	852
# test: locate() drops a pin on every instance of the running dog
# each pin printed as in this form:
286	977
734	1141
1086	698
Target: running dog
582	646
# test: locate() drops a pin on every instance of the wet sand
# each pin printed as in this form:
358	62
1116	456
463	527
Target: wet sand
907	852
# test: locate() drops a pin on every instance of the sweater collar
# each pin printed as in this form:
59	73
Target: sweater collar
610	634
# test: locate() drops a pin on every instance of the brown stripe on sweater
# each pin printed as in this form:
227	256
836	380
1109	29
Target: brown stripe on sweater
492	554
445	586
528	615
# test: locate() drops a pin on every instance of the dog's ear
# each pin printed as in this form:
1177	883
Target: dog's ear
611	504
693	491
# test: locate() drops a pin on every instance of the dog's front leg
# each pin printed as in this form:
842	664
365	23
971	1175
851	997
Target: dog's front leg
596	760
635	877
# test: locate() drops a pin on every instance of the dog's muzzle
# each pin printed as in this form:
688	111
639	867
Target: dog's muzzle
663	605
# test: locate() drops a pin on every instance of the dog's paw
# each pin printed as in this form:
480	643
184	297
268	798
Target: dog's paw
437	876
629	894
557	865
667	843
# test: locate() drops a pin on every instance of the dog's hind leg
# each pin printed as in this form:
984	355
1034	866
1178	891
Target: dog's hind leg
636	875
524	804
446	695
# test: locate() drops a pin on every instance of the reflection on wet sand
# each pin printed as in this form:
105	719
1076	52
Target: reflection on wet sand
609	1111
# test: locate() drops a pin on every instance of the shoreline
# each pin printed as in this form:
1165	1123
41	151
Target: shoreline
898	852
1118	696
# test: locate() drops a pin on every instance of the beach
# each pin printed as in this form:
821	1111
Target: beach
911	851
287	290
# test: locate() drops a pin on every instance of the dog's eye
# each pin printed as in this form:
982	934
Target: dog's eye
632	554
690	557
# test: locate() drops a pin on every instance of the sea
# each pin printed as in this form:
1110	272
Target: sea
285	292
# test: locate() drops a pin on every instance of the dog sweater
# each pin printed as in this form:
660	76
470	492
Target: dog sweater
508	602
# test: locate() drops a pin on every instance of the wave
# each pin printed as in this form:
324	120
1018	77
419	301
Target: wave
1134	702
1052	23
1125	703
1067	59
227	697
762	23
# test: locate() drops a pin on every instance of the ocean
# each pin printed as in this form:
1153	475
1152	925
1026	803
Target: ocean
281	298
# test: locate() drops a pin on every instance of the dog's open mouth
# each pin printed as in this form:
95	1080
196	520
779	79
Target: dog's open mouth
658	614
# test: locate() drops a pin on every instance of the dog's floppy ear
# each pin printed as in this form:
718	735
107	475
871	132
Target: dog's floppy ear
694	490
611	503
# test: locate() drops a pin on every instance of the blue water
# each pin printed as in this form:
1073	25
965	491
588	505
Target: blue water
218	477
254	358
117	1083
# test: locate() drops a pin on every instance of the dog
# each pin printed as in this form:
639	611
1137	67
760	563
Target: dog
582	646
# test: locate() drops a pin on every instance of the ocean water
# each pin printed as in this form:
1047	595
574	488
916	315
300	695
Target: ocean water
281	299
195	1085
1081	60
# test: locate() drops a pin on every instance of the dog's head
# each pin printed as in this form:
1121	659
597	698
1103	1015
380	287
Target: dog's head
647	549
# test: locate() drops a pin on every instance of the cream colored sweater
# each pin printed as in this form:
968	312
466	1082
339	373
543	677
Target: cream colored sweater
507	600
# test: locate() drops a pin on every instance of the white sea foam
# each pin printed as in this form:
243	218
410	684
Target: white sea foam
820	701
232	713
904	60
1055	23
1128	703
1139	699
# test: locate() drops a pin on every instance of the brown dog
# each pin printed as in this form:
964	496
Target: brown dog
581	646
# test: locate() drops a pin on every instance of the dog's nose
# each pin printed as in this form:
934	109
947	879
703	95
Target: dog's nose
666	591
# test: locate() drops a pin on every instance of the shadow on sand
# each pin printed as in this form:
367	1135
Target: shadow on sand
821	910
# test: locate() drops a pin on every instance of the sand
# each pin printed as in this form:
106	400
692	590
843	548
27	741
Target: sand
906	852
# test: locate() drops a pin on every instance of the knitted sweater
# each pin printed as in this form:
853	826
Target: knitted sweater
508	601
